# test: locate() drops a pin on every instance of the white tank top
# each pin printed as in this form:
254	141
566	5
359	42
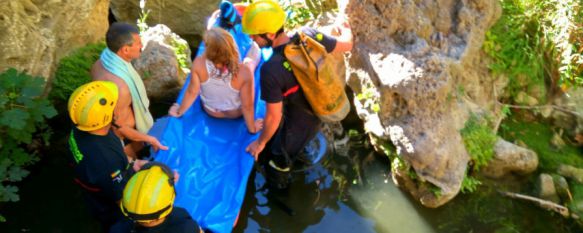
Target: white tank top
216	92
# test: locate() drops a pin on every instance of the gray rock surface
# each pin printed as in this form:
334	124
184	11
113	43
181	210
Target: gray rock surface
509	158
546	188
34	34
158	65
572	119
573	173
423	60
186	18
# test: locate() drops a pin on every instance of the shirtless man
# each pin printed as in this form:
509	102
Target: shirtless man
124	45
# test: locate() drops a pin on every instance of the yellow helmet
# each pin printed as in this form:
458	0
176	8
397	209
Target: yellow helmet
263	16
91	105
149	194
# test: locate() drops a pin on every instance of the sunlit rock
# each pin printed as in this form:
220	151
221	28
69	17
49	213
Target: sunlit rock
546	188
424	58
186	18
158	65
568	113
573	173
562	188
510	158
34	35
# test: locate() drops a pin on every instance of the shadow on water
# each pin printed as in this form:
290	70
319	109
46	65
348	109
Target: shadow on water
329	198
346	192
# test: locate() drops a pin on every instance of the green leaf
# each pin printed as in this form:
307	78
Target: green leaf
21	158
20	136
33	88
9	193
3	100
17	174
4	164
376	107
47	110
7	79
14	118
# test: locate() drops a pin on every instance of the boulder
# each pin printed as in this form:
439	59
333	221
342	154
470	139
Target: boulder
510	158
573	173
425	62
158	65
570	114
562	188
36	34
546	188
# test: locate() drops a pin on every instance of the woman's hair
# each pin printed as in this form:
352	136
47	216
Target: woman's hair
221	48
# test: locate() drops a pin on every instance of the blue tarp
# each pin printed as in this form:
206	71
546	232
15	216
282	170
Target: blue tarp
209	155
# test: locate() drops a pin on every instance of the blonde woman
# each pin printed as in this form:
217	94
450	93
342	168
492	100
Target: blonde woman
225	86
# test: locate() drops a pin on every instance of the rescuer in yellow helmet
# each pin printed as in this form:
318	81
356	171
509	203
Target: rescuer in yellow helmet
148	202
100	164
280	145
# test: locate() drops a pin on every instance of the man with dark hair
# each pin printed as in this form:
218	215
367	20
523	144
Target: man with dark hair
120	34
132	116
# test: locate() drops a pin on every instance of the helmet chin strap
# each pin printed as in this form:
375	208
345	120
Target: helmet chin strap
269	41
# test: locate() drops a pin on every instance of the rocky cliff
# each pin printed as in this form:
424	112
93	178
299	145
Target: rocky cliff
37	33
420	63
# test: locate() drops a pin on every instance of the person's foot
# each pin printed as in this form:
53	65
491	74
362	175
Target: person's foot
277	177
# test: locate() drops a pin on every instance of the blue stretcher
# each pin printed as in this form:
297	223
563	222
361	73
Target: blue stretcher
209	155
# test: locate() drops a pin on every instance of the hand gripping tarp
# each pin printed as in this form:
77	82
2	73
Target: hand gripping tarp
209	155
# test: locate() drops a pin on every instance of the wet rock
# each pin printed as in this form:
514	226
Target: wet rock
35	35
546	188
336	137
571	172
509	158
415	55
159	66
570	120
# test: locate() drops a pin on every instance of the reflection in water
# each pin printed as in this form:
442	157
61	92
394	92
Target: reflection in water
331	197
391	209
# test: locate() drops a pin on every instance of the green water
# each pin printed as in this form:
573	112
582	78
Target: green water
352	193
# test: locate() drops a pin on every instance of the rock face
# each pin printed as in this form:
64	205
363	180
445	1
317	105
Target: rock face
36	34
186	18
572	119
421	61
509	158
573	173
546	188
158	64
